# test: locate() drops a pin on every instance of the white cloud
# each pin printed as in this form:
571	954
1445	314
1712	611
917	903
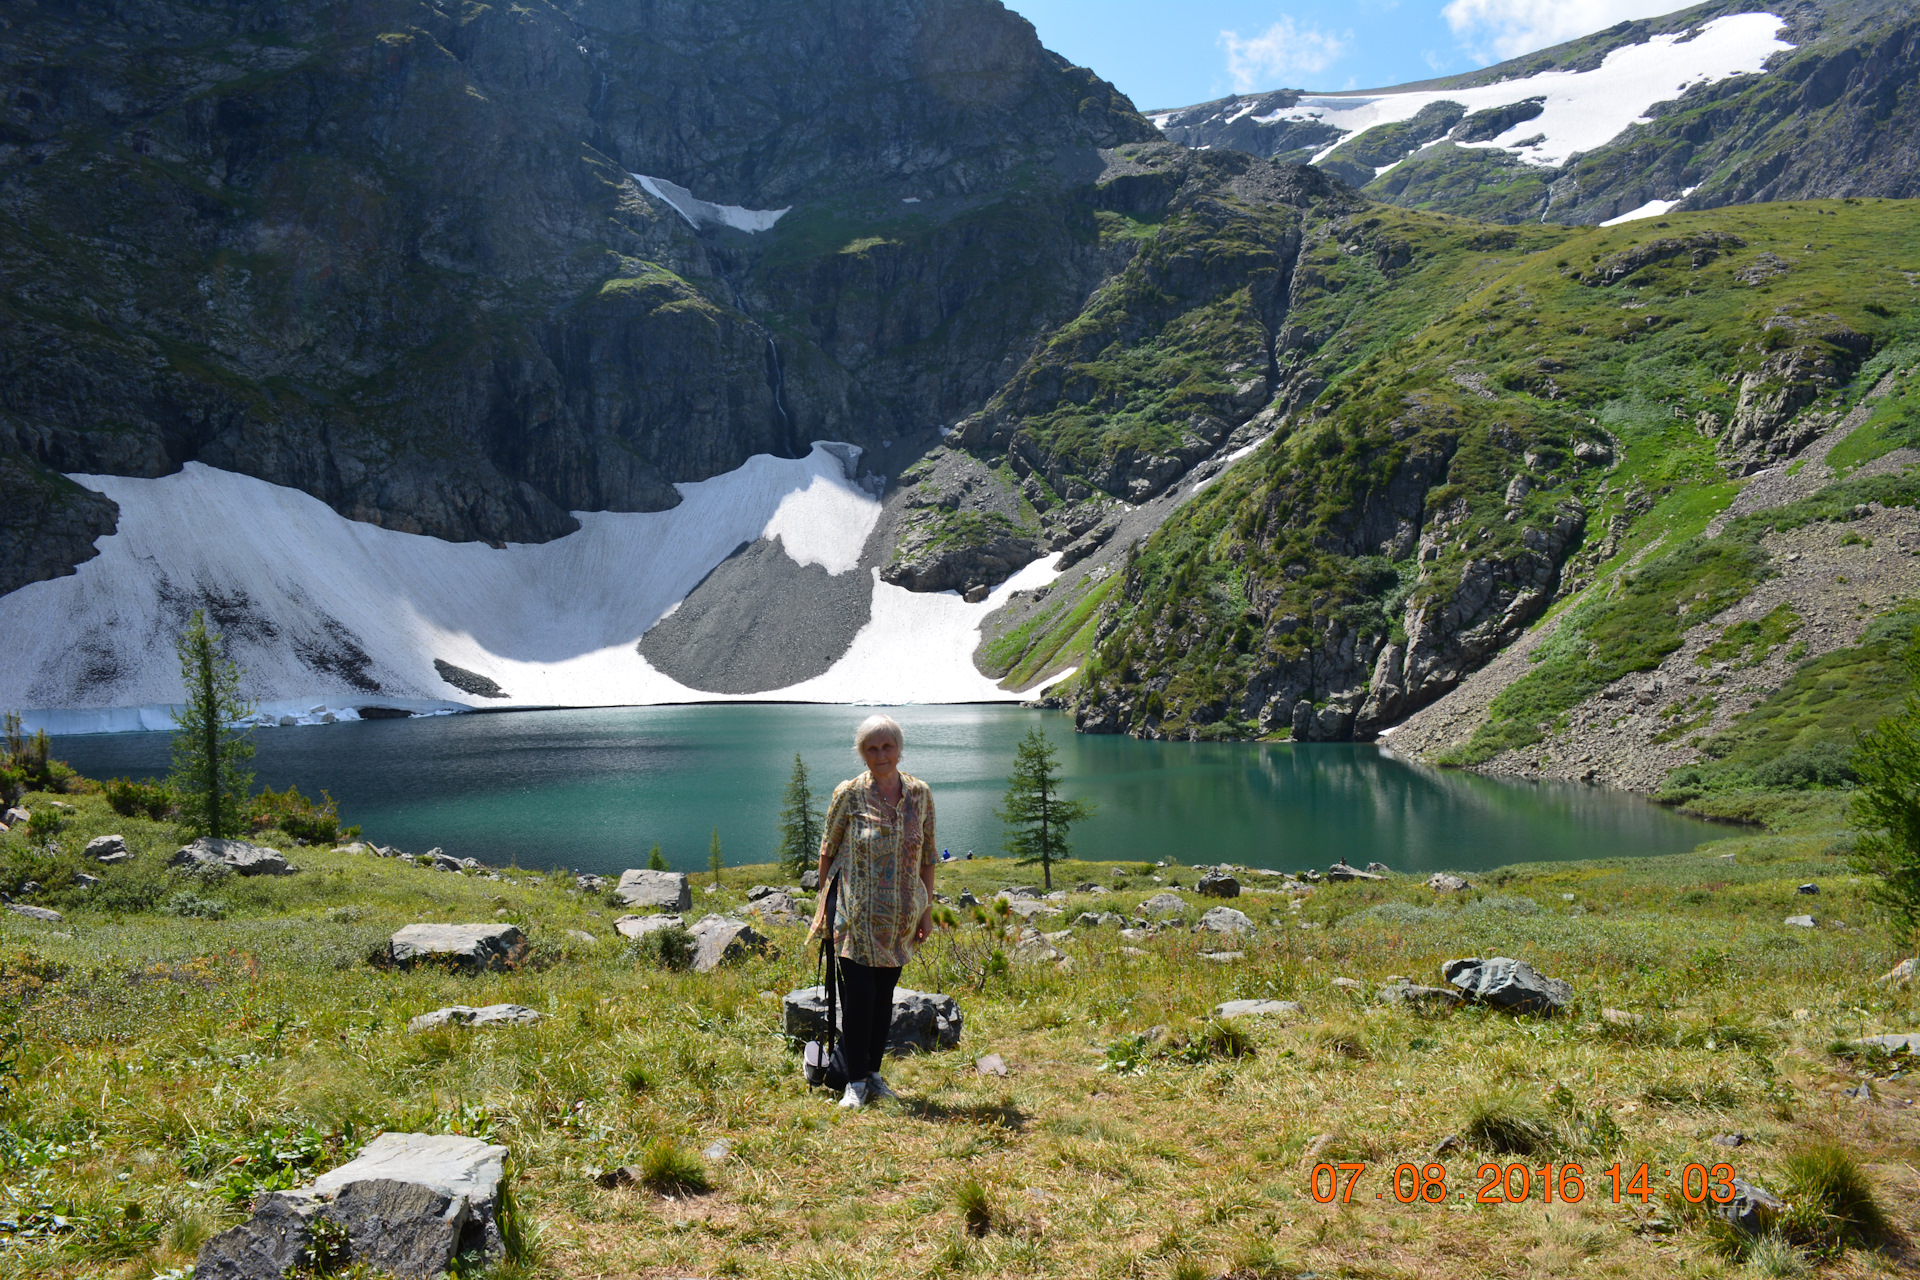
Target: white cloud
1279	54
1509	28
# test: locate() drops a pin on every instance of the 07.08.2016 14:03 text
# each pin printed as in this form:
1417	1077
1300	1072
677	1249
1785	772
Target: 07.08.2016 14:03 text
1516	1183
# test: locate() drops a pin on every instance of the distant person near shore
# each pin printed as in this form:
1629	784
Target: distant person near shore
878	859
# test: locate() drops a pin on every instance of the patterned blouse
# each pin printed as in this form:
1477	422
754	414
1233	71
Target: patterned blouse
875	852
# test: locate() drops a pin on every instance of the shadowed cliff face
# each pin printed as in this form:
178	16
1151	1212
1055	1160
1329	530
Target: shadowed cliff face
394	254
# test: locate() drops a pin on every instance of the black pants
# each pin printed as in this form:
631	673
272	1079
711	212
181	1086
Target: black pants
866	1015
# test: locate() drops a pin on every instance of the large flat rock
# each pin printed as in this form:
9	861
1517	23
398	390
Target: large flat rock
720	939
641	926
922	1021
236	856
486	1015
468	948
1507	983
408	1205
655	890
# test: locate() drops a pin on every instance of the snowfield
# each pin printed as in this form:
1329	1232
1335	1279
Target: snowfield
1582	109
701	214
327	614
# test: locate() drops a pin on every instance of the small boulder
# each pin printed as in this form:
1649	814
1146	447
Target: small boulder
966	899
236	856
1621	1018
810	880
1258	1009
659	890
775	907
407	1205
590	884
1027	909
1441	882
1509	984
1379	868
265	1247
465	948
1223	957
46	915
1729	1139
1350	984
1808	888
718	939
1218	884
922	1022
461	1168
991	1065
1164	905
489	1015
1341	871
108	849
1752	1209
16	815
1900	974
1799	922
399	1228
583	937
1422	997
1224	920
641	926
1908	1043
760	891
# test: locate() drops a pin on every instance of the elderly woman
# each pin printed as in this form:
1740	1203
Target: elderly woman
878	852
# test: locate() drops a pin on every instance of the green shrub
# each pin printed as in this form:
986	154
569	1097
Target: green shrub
666	1167
1834	1199
189	905
668	948
976	1208
299	817
1507	1123
132	799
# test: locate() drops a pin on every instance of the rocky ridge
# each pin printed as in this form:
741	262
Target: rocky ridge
1830	118
289	272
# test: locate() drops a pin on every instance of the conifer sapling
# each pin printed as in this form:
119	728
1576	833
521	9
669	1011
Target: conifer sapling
1039	818
209	754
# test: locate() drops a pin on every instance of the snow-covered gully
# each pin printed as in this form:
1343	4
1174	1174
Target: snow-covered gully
327	614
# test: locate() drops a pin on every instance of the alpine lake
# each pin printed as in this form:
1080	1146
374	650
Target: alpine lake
593	790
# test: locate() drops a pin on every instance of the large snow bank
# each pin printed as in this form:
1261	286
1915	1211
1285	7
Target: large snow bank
701	214
1583	109
326	614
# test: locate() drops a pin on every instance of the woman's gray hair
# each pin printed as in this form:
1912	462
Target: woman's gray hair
874	726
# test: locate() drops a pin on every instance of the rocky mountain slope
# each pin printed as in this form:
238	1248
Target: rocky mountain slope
413	257
1256	452
1824	104
1688	439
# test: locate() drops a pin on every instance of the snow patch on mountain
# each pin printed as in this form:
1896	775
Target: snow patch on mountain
701	214
326	615
1582	109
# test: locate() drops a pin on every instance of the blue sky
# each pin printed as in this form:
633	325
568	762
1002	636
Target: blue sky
1171	53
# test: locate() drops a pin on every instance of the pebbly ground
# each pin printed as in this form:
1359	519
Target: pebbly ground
760	621
1836	590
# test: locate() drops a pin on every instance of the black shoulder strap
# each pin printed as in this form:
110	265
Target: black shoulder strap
829	967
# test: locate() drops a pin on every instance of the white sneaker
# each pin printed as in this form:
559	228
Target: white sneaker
877	1088
856	1095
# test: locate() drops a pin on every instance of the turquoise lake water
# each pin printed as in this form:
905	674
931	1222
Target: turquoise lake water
593	789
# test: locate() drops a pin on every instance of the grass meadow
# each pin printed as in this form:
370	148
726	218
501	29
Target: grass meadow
174	1047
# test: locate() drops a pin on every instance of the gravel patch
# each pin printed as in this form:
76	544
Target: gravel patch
760	621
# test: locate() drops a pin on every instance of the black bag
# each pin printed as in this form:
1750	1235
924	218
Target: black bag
824	1064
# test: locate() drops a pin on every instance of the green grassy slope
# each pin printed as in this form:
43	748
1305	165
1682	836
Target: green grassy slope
161	1069
1604	366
